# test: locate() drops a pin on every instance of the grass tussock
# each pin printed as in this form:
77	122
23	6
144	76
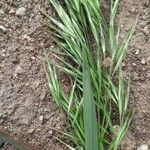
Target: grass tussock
98	84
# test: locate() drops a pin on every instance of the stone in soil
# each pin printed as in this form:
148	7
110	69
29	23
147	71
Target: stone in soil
3	29
133	64
137	52
21	11
18	71
12	11
143	61
2	12
41	118
30	131
143	147
33	58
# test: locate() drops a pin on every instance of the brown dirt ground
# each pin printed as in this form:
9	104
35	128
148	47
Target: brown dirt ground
26	110
138	65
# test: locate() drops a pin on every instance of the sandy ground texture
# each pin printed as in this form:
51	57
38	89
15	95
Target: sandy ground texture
26	109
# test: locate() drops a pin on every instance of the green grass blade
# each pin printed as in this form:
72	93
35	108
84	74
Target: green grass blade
90	121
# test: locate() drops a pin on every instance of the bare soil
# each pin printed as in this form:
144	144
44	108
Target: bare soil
27	112
137	65
26	109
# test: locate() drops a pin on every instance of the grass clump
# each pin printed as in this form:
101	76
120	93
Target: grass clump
98	85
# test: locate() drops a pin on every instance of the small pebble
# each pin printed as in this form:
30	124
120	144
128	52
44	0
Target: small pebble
3	55
52	46
32	57
12	11
15	75
136	77
3	29
145	30
45	110
27	84
50	132
143	147
3	50
38	129
43	95
21	11
36	104
41	118
133	64
143	61
18	69
137	52
144	17
133	10
30	131
2	12
123	64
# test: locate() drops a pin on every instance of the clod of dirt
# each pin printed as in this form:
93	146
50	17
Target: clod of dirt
21	11
143	147
3	29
